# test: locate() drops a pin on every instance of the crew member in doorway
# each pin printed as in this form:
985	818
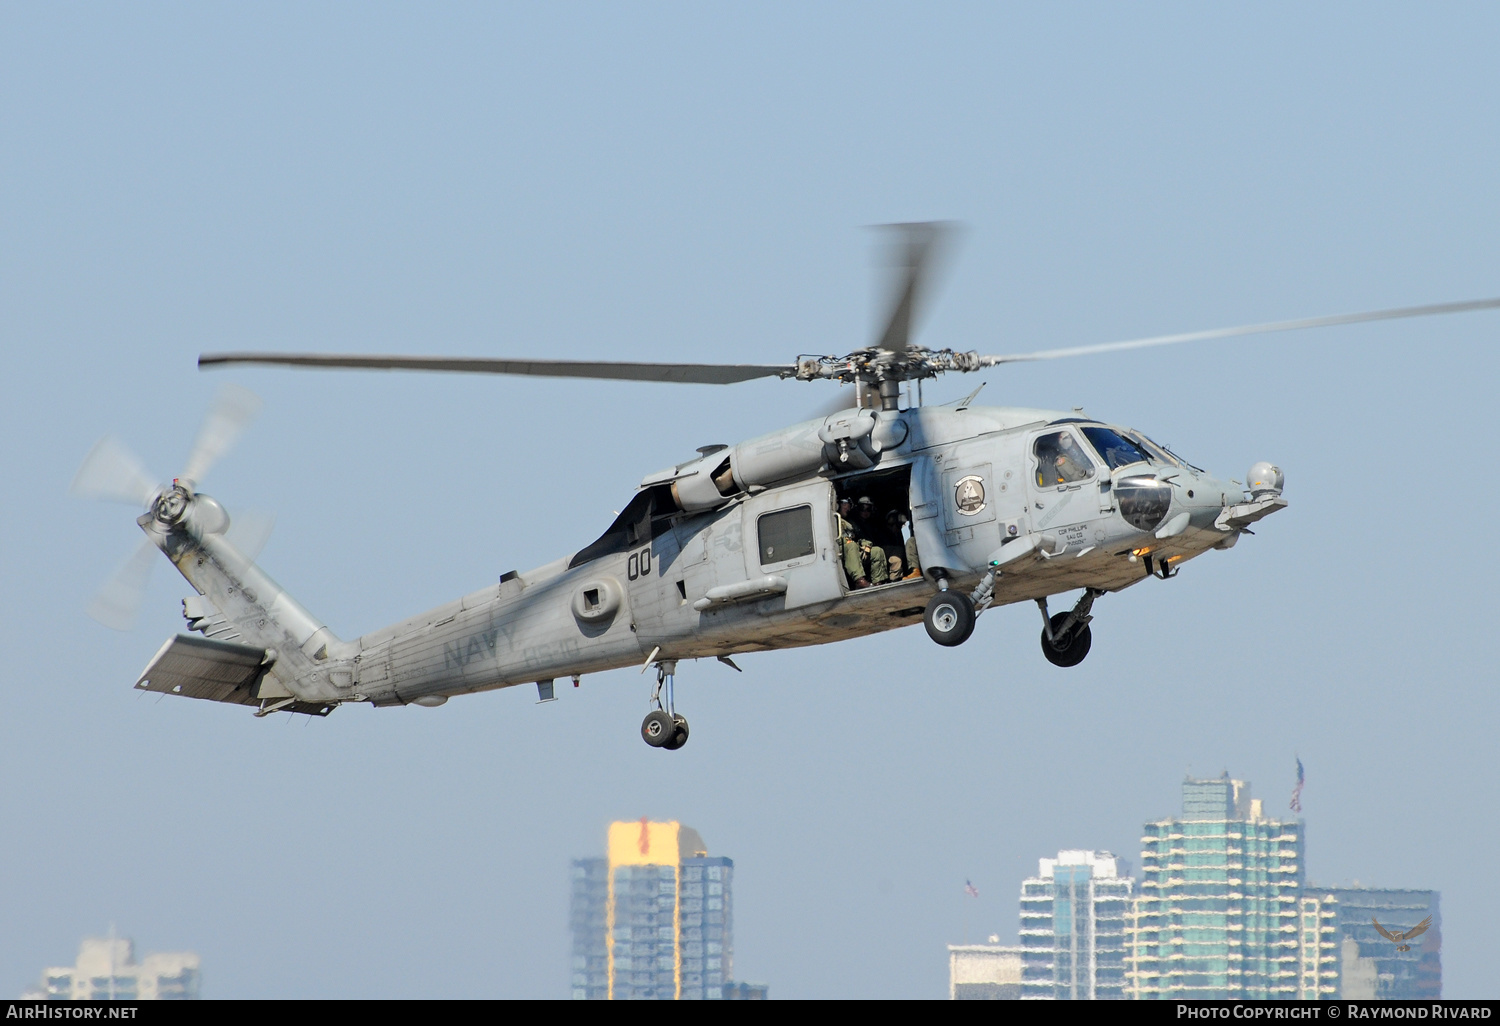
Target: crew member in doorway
864	559
896	542
848	543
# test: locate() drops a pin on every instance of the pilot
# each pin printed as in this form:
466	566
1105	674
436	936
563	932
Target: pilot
895	522
864	559
1063	462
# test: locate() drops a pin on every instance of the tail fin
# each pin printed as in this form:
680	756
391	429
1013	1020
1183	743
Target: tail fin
260	646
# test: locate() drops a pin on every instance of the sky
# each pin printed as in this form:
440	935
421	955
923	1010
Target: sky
688	182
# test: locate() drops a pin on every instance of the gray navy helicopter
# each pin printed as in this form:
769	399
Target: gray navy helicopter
741	548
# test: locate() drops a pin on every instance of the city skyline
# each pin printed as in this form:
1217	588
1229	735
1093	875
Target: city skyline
1223	909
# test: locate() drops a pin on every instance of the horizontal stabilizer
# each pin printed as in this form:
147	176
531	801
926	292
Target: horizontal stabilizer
219	671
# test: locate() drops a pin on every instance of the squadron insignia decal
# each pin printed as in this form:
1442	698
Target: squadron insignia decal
969	495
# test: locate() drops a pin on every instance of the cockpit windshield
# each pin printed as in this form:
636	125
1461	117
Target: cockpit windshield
1117	450
1162	453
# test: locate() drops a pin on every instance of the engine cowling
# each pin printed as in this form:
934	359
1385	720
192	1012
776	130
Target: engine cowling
848	440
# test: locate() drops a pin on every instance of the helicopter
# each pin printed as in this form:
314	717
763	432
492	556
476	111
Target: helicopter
738	549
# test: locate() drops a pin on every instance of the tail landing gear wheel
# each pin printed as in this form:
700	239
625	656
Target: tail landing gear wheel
1069	650
658	730
679	735
949	618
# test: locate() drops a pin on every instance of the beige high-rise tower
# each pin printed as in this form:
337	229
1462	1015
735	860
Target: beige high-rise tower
654	920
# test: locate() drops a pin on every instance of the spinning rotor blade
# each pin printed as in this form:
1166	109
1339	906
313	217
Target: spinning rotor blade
249	530
686	373
1397	313
232	411
915	259
841	400
112	471
118	599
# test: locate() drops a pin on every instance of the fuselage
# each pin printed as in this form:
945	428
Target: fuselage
689	569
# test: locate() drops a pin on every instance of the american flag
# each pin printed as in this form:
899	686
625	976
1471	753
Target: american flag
970	889
1296	805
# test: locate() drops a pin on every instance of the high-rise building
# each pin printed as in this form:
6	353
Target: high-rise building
984	972
654	919
107	971
1222	910
1073	915
1371	966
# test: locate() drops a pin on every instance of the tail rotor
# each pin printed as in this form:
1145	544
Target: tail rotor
114	473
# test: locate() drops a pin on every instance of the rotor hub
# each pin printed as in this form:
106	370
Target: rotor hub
873	366
172	505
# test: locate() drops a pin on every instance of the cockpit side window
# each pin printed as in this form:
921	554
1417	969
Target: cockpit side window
1060	460
1117	450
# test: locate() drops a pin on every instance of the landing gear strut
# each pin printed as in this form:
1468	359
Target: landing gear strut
1066	636
662	727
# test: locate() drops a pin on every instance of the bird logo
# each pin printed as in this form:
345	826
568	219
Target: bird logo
1402	936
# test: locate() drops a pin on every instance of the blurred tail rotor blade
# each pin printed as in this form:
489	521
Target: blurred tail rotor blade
118	600
915	256
249	530
111	471
231	413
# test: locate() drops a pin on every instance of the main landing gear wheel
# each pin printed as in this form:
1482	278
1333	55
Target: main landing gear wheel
949	618
679	734
658	730
1069	649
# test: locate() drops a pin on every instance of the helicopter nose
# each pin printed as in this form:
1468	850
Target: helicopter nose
1195	499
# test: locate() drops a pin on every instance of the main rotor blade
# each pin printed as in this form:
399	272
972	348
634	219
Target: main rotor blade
915	257
686	373
112	471
1396	313
233	409
118	599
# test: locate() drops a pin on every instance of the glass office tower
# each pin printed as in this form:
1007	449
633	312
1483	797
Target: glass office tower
1073	916
1222	910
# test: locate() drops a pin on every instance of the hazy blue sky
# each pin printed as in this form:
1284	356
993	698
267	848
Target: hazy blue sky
690	182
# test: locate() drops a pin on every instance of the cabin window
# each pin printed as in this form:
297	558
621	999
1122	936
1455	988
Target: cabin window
786	534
